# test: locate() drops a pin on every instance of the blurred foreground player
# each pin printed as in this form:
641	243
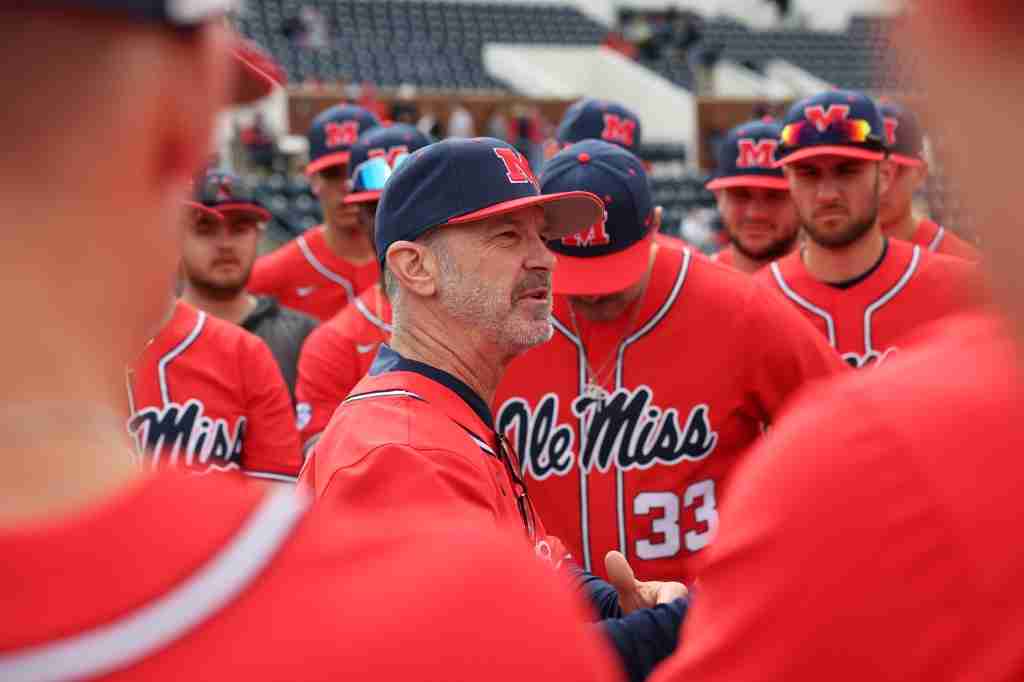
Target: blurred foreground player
468	274
753	198
896	209
865	292
218	251
340	353
662	371
321	271
108	574
877	551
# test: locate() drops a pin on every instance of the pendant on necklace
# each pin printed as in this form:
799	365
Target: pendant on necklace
595	392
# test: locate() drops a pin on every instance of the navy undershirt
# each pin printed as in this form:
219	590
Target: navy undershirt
643	638
864	275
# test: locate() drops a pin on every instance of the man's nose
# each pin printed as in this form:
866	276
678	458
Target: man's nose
539	255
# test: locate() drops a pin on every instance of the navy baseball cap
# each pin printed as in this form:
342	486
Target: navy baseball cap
903	135
461	180
333	133
746	158
374	157
595	119
219	192
256	73
836	123
613	252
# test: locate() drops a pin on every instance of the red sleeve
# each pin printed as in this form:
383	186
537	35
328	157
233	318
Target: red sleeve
824	531
953	245
328	369
271	439
433	483
784	352
263	279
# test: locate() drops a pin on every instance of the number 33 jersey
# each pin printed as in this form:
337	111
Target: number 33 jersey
688	380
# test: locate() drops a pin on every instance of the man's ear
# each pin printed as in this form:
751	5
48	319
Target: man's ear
414	266
315	183
886	174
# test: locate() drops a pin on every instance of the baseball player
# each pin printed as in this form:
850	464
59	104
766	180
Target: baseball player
468	274
753	198
877	551
598	119
862	290
896	207
322	270
341	351
218	251
111	575
207	395
662	370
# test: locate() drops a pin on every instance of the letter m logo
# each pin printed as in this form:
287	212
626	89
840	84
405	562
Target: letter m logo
517	168
756	153
389	154
344	133
595	235
822	118
891	124
618	129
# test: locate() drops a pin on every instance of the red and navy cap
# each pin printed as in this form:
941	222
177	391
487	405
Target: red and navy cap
746	158
388	143
835	123
461	180
256	73
219	192
333	133
903	135
595	119
612	253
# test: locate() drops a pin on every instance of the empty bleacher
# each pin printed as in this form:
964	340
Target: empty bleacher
425	44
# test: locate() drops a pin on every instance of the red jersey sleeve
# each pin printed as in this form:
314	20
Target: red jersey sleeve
789	352
265	276
824	521
328	369
271	446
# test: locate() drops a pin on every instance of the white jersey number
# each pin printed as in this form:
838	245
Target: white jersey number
700	497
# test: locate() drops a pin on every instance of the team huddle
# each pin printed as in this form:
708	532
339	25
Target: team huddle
506	427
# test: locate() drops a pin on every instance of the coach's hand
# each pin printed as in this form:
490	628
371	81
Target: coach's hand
634	594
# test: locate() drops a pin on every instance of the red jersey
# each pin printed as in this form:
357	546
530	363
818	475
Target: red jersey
218	580
412	433
725	257
690	378
307	276
335	356
938	239
866	321
208	395
871	536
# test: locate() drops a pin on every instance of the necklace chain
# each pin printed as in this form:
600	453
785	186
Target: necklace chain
597	378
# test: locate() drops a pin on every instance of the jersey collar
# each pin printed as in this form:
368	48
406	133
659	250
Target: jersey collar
388	360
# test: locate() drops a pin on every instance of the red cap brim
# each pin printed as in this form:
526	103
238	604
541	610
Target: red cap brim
336	159
906	160
830	150
599	275
566	213
256	73
203	208
259	211
764	181
362	197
